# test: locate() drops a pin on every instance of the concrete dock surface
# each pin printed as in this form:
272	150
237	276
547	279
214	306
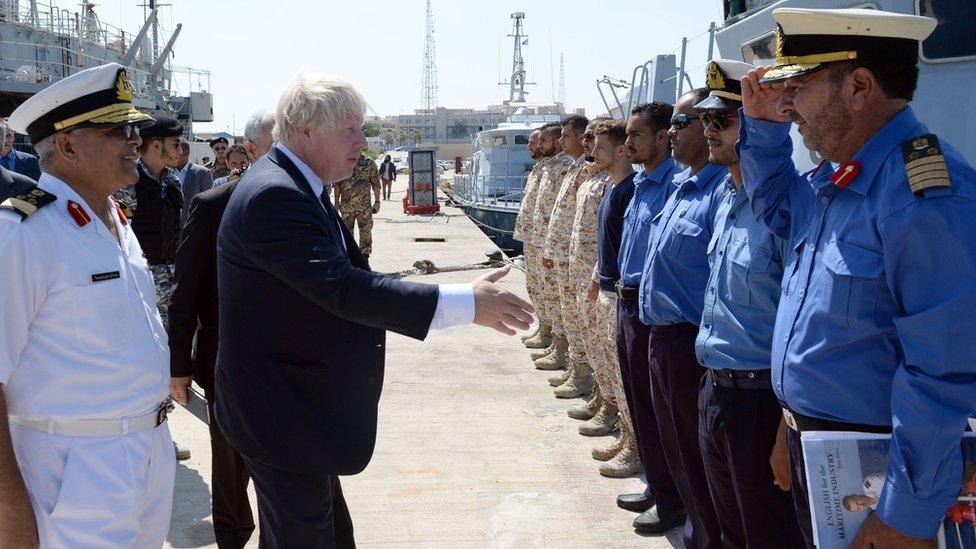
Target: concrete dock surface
472	451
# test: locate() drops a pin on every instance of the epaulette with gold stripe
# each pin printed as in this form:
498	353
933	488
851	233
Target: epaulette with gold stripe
28	202
925	164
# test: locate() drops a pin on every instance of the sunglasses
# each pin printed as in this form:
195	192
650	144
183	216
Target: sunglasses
128	130
682	121
719	121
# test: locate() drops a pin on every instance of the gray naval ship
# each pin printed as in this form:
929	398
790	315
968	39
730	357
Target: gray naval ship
491	192
41	43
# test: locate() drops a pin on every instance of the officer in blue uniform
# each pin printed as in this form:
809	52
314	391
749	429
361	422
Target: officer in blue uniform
672	291
874	326
741	427
647	144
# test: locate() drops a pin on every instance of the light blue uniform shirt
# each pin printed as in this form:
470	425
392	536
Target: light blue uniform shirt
746	261
672	288
875	324
650	193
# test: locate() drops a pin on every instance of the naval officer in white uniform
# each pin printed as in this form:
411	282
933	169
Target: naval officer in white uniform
84	363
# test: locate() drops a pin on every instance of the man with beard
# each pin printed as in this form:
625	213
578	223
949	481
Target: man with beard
672	290
648	144
578	378
554	357
544	149
741	427
872	332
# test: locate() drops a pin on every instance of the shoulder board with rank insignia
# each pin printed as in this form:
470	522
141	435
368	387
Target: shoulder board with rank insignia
925	164
28	202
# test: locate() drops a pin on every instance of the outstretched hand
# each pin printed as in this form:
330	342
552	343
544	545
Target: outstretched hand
497	308
761	101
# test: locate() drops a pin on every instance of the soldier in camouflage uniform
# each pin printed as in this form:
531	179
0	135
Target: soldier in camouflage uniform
352	200
622	456
542	336
218	166
153	205
579	376
553	358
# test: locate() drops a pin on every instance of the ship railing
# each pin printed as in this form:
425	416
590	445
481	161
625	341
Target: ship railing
54	19
495	190
51	63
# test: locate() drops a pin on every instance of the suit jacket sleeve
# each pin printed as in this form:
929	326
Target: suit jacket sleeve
194	261
287	237
204	180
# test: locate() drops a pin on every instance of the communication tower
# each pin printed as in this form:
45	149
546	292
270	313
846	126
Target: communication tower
562	81
428	92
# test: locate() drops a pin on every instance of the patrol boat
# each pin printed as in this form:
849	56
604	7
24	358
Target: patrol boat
41	43
490	194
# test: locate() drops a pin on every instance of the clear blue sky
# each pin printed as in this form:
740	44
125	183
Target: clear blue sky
254	48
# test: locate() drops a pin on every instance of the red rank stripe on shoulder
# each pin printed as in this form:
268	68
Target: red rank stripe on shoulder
78	213
845	174
118	209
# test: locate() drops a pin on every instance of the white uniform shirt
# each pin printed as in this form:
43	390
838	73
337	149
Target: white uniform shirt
873	484
80	335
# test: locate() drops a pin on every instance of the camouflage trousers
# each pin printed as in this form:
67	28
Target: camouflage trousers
602	338
163	279
533	280
549	283
364	217
572	318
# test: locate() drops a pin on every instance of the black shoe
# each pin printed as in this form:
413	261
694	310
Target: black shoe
654	522
637	503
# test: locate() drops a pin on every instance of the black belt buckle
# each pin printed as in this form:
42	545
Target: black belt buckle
164	409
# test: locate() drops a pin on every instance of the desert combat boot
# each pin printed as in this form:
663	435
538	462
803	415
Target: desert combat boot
541	339
603	423
627	462
558	379
580	381
539	353
588	409
557	359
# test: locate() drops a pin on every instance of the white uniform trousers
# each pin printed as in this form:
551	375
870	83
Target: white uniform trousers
98	492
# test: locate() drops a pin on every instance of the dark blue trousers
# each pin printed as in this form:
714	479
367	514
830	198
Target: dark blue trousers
632	337
300	510
675	380
737	429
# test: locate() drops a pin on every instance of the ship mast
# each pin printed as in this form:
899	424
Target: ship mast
517	81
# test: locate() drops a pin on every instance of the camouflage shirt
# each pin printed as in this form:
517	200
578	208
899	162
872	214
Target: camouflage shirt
560	228
354	193
552	178
218	170
529	194
584	248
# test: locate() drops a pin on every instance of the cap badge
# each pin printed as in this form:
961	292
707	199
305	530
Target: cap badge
779	42
714	78
123	90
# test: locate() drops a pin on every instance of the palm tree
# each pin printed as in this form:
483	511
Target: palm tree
415	134
460	129
401	136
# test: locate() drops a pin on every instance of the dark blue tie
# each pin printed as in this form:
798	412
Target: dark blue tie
331	214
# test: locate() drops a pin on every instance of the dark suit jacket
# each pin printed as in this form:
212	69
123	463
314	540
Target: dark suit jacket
197	180
27	164
12	183
193	305
302	320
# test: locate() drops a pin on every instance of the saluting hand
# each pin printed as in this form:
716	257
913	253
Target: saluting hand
761	101
497	308
875	534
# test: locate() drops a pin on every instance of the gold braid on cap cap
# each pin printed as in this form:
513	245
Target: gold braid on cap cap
816	58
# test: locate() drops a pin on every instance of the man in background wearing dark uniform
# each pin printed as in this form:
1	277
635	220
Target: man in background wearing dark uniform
218	167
